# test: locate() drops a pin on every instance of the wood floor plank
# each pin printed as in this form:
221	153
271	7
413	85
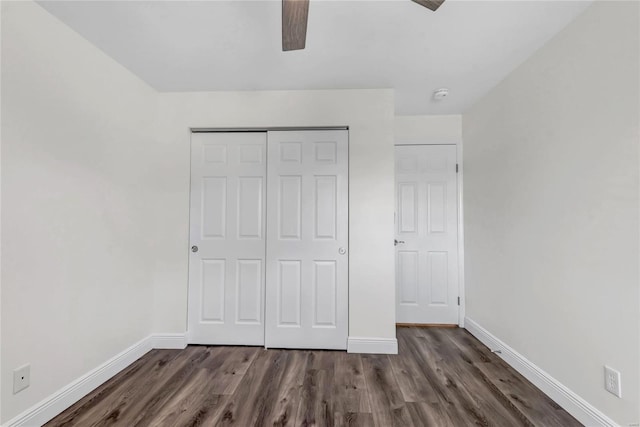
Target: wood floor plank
286	408
441	377
459	404
538	408
317	404
428	415
255	391
425	392
113	410
229	367
350	389
200	399
387	404
479	397
413	387
126	409
423	365
470	347
145	410
195	404
104	405
308	395
360	419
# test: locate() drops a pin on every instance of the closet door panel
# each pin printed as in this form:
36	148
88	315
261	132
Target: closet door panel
226	273
307	240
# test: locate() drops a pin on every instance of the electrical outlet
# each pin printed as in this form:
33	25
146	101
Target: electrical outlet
612	381
21	378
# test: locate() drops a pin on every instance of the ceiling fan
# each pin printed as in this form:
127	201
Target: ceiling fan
294	21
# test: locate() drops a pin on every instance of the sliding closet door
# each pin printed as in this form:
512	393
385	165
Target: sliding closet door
307	241
227	258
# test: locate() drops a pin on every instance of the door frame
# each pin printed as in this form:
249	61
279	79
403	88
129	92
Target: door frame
460	211
193	130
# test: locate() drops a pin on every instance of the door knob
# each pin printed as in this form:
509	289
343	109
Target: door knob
396	242
194	248
342	251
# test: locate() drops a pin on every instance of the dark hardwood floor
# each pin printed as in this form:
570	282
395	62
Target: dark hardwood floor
441	377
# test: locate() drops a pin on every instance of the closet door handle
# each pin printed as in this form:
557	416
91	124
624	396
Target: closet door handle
396	242
194	249
342	251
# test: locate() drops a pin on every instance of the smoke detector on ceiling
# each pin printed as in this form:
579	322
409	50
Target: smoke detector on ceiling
440	94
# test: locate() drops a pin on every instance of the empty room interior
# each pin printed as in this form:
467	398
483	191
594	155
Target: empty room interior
320	213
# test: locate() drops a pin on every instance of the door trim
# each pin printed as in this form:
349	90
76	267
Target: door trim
461	287
459	158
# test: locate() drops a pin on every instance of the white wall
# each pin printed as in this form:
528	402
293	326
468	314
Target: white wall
428	129
369	115
76	270
551	208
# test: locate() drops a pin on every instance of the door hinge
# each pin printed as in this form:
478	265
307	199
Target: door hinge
456	168
458	300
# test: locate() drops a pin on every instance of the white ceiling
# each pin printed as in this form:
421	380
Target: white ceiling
466	46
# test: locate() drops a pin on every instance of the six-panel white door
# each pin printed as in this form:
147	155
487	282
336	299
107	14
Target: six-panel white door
227	262
426	235
307	242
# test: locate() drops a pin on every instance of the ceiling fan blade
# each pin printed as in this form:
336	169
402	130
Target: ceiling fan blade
430	4
294	24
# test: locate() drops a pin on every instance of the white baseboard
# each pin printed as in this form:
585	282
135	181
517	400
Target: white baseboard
563	396
169	341
56	403
53	405
372	345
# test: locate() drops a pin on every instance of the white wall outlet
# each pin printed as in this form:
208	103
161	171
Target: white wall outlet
21	378
612	381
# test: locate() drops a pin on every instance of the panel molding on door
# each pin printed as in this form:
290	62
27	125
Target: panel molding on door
307	244
227	217
427	234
